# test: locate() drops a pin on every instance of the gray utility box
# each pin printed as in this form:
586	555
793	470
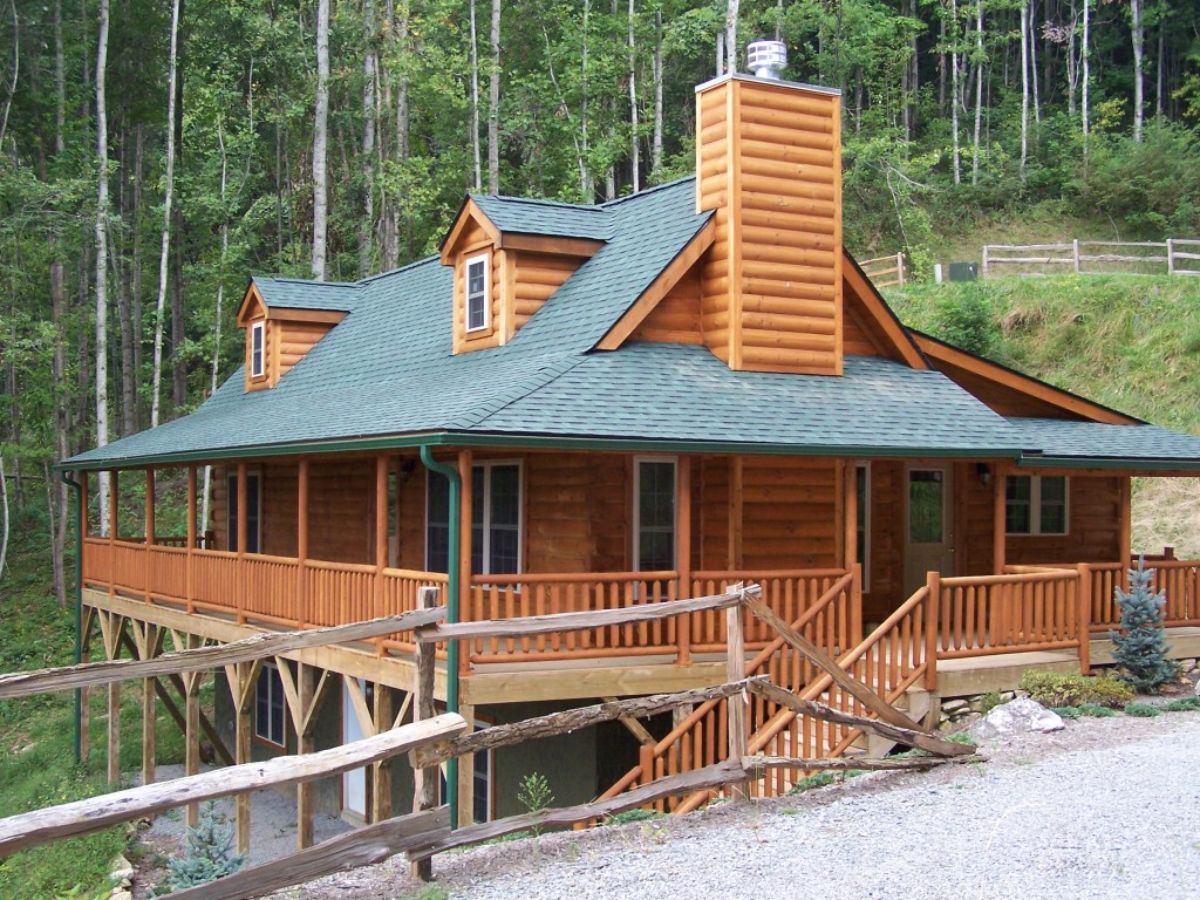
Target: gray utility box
964	271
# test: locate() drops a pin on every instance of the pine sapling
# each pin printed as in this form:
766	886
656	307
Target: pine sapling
209	853
1140	644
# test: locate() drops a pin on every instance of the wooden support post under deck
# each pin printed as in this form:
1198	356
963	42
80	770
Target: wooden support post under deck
147	638
381	537
191	731
302	617
381	774
110	627
999	522
309	693
191	536
683	557
425	781
466	774
242	531
735	670
242	678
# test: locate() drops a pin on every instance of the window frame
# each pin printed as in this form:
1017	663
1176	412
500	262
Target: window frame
258	331
486	259
1035	508
264	678
863	521
487	465
636	532
231	501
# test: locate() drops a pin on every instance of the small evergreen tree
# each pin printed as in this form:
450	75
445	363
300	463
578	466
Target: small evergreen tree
209	852
1140	646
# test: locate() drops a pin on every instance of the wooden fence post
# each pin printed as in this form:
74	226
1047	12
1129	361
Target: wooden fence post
735	670
983	268
1075	255
900	267
1170	256
933	601
1085	619
425	781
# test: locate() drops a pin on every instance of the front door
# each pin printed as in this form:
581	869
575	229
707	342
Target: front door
354	782
930	525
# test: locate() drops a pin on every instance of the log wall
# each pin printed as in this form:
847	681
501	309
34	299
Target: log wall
676	319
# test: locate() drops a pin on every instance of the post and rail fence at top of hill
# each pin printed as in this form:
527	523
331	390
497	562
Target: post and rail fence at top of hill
886	271
1174	256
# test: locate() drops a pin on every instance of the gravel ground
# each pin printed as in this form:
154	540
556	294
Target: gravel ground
1105	808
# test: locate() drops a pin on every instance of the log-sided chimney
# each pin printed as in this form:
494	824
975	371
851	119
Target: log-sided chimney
768	160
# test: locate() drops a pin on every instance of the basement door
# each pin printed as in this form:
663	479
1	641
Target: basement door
354	782
929	531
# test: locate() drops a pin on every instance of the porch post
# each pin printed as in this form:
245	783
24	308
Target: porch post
850	515
381	538
933	603
113	493
1085	618
1125	537
999	523
683	556
190	544
241	544
466	764
302	617
149	508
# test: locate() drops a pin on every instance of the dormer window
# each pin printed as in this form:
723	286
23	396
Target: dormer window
478	301
258	366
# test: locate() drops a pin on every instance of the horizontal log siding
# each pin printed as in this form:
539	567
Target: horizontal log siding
789	510
676	319
712	192
885	566
536	276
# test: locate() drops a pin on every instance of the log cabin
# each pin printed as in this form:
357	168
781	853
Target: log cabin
577	407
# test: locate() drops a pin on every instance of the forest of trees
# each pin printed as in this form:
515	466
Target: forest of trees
155	153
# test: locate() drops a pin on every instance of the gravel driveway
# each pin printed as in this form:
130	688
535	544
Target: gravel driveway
1105	808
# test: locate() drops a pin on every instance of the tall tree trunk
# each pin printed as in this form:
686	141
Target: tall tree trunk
656	151
587	187
320	142
494	104
101	373
476	154
214	368
3	516
137	274
1024	84
178	360
1072	64
1033	65
1138	35
168	199
1085	77
16	71
58	305
403	122
366	230
634	151
956	98
731	35
1160	69
978	89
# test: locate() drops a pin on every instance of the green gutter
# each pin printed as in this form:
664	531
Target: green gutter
1099	462
77	520
453	589
545	442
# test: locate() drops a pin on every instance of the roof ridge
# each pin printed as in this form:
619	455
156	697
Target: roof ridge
542	201
424	260
307	282
647	191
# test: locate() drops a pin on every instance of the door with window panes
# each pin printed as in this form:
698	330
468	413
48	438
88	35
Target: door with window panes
929	531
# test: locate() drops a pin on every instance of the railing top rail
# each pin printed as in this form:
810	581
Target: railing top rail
268	558
201	553
417	575
755	574
1016	578
338	566
166	548
571	577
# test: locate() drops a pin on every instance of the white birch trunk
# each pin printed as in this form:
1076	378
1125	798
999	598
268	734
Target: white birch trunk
476	154
634	150
1033	65
587	185
1024	84
978	90
1138	35
494	104
1085	76
954	89
320	143
168	199
656	151
101	349
366	231
731	36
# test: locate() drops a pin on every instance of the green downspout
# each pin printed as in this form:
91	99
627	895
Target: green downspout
453	552
77	522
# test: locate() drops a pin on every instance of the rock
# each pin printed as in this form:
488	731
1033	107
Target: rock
121	894
1196	689
1018	716
950	707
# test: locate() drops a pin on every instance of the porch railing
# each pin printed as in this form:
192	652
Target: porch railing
1025	611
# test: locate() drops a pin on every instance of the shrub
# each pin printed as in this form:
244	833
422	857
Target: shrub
1068	712
990	701
1140	646
534	794
1142	710
965	319
632	815
1096	711
1053	689
1183	704
209	853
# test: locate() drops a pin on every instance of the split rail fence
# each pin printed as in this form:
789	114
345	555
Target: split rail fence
1174	256
885	271
433	739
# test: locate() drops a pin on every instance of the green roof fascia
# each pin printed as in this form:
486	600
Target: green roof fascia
1108	462
540	442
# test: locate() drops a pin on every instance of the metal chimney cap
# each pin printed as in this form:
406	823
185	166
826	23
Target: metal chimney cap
766	59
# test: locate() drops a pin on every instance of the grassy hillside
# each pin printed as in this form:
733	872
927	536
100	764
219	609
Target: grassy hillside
1131	342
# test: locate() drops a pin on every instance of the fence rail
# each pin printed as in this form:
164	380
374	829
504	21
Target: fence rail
1174	256
886	271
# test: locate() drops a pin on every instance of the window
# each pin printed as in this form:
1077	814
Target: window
926	506
478	307
862	520
1036	504
495	520
253	512
269	711
257	349
654	515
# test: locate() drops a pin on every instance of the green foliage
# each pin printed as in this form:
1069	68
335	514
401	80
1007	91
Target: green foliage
1096	711
990	701
209	854
1055	689
1140	644
966	320
535	795
812	782
1142	710
632	815
1068	712
1183	704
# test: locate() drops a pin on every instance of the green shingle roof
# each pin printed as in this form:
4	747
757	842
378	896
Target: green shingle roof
386	373
1078	442
526	216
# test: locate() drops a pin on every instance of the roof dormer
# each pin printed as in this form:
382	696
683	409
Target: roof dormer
509	257
277	337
